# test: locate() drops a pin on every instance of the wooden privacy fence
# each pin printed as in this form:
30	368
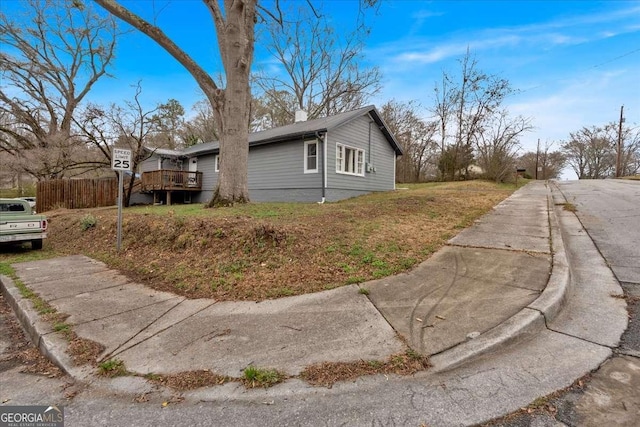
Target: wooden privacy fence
76	193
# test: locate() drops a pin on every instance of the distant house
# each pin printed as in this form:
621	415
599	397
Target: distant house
330	159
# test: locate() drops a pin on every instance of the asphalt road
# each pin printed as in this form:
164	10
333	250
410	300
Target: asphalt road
610	212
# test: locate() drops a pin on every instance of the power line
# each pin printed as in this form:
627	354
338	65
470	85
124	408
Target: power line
616	58
518	92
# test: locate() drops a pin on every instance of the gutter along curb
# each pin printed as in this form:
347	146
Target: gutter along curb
530	320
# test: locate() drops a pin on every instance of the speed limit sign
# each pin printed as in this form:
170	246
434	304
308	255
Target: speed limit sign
121	159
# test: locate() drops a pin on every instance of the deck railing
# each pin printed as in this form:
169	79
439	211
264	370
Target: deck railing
171	180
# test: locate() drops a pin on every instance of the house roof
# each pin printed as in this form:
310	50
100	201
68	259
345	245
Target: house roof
295	131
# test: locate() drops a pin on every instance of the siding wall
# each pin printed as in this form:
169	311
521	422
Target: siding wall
206	165
151	164
382	157
276	171
281	166
276	174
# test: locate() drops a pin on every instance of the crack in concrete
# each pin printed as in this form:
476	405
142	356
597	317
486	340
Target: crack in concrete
580	338
90	292
143	329
62	277
120	349
628	352
124	312
209	335
524	288
508	249
544	316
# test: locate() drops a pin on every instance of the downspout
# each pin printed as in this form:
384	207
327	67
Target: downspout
395	161
369	151
322	141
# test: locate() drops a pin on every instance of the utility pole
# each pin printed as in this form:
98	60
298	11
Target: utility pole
537	156
619	150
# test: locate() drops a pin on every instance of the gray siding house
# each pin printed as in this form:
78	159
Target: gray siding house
326	159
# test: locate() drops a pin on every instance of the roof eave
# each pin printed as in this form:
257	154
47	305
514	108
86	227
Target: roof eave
385	131
290	137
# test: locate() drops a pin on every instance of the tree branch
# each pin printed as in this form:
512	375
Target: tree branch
203	79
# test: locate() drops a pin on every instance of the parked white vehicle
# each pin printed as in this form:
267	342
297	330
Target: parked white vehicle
18	223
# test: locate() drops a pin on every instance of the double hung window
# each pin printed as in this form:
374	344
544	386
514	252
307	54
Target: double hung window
310	157
349	160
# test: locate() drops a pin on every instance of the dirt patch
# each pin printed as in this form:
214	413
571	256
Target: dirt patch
271	250
544	405
20	350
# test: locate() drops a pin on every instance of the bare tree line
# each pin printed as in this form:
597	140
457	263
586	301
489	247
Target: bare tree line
592	151
48	130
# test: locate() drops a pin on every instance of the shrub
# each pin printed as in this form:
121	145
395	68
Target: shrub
88	221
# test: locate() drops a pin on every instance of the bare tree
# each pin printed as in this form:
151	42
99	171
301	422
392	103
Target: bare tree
202	127
498	143
416	137
128	126
591	152
50	60
272	110
320	70
464	105
551	163
444	100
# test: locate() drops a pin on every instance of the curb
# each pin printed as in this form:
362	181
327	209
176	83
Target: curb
40	333
528	321
523	325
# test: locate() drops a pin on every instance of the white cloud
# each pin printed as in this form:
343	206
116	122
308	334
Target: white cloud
547	35
431	52
424	14
591	101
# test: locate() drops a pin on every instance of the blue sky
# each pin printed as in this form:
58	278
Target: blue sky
574	62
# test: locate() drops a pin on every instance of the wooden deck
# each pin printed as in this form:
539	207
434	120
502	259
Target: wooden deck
171	180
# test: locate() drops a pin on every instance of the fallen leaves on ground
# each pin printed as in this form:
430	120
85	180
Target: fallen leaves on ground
263	251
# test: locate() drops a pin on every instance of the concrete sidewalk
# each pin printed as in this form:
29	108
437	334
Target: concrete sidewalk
468	298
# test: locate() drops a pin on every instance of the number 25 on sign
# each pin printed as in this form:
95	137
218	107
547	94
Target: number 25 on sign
121	159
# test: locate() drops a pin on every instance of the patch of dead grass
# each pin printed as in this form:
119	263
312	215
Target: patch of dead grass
83	351
321	374
189	380
262	251
328	373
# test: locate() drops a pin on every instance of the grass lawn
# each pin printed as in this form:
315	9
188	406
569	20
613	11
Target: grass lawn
270	250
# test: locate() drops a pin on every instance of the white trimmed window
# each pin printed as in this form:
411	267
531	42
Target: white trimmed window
217	163
311	157
349	160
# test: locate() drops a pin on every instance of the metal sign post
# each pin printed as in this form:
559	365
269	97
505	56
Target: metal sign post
121	161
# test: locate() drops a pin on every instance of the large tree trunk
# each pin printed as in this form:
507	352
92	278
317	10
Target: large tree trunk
236	44
235	34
